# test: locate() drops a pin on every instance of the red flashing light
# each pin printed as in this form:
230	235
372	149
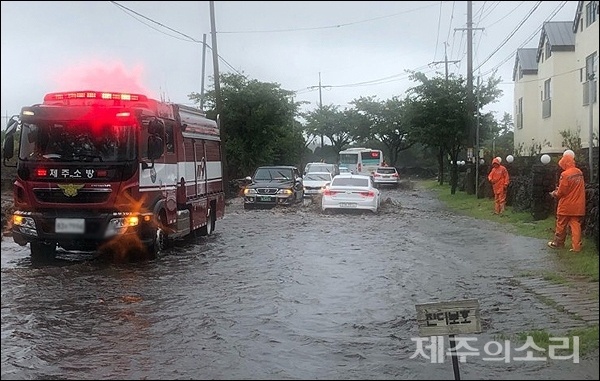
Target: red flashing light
94	95
41	172
375	154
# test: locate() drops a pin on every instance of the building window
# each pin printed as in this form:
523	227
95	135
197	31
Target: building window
520	113
590	62
591	10
547	89
548	49
546	102
589	84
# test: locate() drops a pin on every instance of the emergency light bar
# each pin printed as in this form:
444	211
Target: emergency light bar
71	95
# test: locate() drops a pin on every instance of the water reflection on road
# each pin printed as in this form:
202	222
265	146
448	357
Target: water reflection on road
287	293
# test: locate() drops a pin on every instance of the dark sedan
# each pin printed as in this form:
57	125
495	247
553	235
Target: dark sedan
273	185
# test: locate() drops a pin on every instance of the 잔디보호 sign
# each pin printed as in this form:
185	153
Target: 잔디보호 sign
449	318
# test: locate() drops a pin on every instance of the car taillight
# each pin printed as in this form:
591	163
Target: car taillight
329	192
395	175
368	194
375	174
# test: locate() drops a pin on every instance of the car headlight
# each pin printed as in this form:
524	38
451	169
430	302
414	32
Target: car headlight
287	192
248	191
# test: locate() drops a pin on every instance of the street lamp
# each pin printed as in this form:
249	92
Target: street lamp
545	159
510	159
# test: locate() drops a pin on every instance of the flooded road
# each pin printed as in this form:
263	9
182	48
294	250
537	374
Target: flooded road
288	293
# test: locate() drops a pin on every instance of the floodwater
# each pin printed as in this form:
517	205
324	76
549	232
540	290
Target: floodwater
287	293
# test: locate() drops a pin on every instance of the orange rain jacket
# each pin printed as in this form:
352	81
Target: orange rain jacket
498	176
571	189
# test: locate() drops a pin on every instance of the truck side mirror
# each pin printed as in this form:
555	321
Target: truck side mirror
156	147
156	127
9	147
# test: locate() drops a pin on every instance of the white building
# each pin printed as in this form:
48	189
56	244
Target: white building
552	85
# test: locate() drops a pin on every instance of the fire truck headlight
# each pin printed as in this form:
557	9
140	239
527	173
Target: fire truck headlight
26	225
120	225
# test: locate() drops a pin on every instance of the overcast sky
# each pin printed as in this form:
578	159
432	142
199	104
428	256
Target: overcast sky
358	48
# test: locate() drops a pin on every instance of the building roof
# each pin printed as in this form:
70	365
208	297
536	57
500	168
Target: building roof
526	60
560	36
579	11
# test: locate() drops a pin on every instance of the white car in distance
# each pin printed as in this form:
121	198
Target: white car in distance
315	183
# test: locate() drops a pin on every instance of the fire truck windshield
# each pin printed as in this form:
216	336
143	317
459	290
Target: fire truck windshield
77	141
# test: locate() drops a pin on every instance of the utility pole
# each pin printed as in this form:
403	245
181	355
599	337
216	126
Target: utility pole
218	104
445	61
203	75
320	100
591	88
477	146
470	101
471	107
320	108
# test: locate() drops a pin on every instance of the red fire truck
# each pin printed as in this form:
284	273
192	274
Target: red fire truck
93	167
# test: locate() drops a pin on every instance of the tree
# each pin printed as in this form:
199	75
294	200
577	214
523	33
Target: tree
261	126
440	111
339	126
387	123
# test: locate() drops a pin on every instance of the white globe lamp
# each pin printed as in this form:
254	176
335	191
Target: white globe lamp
545	159
569	153
510	159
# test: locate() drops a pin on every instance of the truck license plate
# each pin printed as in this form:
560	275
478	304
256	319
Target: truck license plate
69	225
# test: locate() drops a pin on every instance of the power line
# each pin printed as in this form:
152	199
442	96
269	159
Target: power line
328	26
511	34
535	33
189	38
437	39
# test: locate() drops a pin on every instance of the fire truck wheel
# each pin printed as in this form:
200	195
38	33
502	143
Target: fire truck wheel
210	224
158	243
42	251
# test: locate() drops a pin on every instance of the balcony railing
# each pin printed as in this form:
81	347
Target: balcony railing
546	108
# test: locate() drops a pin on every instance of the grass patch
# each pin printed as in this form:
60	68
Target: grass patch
554	278
522	223
588	340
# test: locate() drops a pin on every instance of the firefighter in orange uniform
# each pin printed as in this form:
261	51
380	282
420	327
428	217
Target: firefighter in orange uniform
499	179
570	210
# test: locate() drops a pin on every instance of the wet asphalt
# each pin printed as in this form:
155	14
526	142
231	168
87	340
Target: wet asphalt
284	293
